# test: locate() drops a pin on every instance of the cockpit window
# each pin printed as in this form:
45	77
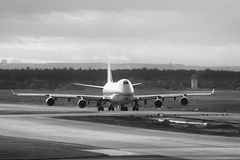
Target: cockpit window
125	82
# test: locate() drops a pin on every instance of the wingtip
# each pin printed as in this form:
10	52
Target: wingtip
13	92
213	91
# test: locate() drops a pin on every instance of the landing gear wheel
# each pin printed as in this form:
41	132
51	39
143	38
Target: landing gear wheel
135	108
123	108
110	108
100	108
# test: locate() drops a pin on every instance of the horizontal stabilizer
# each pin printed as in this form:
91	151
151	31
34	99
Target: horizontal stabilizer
13	92
136	84
88	85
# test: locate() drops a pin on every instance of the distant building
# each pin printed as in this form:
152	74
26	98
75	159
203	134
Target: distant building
194	82
4	61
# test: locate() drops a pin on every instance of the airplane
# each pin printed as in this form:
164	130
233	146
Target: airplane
118	94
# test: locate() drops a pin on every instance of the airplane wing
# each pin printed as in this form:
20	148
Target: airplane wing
174	95
67	96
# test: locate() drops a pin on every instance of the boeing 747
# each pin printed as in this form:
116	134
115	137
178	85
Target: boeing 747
118	93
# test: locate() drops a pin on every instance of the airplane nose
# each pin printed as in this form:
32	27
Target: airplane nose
125	87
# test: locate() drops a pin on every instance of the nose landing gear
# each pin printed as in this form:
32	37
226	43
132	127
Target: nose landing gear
100	107
135	108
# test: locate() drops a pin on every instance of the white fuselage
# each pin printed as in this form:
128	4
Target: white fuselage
120	92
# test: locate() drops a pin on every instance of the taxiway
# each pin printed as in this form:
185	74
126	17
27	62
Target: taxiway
37	122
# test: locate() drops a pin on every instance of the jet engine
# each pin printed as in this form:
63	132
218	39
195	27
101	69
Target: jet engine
184	101
82	103
50	101
158	103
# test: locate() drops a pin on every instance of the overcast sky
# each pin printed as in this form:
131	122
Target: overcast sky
201	32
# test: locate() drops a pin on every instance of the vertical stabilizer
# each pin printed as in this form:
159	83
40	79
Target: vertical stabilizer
109	73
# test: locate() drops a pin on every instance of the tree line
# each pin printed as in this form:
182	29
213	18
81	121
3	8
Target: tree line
151	78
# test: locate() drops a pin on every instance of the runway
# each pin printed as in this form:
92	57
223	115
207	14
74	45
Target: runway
37	122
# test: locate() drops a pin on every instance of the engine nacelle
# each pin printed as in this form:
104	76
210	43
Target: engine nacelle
158	103
184	101
50	101
82	103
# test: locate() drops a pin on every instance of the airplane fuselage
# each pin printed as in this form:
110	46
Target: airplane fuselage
119	93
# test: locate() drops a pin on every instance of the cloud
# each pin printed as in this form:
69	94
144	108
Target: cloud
190	32
47	6
82	50
159	25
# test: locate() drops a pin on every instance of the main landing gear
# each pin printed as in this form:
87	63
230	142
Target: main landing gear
111	107
124	108
100	107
